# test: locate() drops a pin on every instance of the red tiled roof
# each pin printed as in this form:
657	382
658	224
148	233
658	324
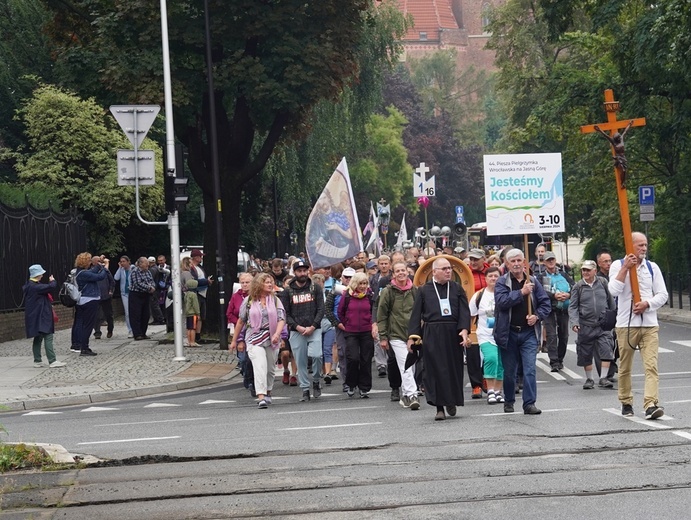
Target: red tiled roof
430	16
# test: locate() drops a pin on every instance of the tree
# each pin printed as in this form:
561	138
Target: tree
72	153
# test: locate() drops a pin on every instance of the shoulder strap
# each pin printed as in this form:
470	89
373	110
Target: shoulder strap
648	265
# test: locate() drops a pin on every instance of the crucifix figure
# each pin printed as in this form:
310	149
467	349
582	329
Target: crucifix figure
617	142
616	139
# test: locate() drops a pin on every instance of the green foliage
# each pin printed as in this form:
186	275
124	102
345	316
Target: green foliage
71	152
21	456
16	196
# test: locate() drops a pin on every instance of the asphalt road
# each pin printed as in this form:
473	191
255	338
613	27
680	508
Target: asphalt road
215	455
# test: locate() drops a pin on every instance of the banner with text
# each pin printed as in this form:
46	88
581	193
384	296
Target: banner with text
524	193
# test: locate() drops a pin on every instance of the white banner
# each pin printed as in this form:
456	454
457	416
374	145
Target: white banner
524	193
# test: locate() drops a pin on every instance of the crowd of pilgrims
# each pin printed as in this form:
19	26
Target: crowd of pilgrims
324	327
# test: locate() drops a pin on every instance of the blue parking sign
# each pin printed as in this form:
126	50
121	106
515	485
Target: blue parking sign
646	195
459	214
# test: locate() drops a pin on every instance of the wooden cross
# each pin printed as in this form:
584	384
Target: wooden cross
617	143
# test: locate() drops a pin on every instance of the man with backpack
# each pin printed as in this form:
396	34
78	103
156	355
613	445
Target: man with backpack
304	305
590	297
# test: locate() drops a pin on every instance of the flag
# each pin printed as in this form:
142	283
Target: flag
333	230
371	223
373	240
402	235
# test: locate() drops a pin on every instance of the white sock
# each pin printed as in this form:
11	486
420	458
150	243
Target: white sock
588	374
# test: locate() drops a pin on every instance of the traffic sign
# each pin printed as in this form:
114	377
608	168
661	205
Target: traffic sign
646	195
146	168
647	217
459	214
125	116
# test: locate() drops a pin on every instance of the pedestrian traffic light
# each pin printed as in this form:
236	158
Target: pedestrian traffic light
175	185
175	193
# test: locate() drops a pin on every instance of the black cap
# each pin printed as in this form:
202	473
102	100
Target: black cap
300	264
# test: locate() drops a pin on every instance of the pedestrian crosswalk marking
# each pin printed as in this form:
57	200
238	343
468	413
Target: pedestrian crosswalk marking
40	412
98	409
546	368
653	424
160	405
215	401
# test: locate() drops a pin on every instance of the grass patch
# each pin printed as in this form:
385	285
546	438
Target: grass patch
21	456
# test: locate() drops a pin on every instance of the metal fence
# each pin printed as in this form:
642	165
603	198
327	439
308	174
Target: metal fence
31	236
678	286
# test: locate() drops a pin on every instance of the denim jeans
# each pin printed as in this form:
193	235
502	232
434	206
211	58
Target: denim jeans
521	347
304	347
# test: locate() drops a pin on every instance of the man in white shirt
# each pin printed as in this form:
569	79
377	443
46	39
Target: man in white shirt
637	326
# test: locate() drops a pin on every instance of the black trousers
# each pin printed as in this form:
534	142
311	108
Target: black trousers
84	318
359	354
106	313
156	308
139	312
473	364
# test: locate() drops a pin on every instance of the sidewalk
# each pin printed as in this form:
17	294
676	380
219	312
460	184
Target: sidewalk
123	368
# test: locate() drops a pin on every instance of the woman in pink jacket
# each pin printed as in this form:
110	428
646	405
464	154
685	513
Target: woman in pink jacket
355	315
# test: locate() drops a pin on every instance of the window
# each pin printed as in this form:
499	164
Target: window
423	36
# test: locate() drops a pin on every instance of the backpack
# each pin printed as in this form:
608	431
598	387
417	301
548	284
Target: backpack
69	292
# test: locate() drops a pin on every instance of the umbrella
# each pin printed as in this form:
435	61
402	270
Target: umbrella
413	356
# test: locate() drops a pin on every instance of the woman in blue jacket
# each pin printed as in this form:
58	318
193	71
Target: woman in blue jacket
38	315
88	272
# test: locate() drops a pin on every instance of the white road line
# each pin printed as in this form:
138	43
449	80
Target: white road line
665	374
129	440
152	422
548	370
98	409
160	405
683	343
639	420
214	401
682	401
686	435
520	412
571	373
40	412
661	350
328	426
330	410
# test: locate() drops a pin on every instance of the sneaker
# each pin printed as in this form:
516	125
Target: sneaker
97	335
627	410
382	371
531	409
364	394
286	378
605	383
404	401
38	365
555	367
327	379
440	416
589	384
491	398
305	396
333	375
88	352
451	410
654	412
350	391
414	403
316	390
267	398
561	366
263	404
477	392
57	364
75	349
345	388
293	381
508	407
395	395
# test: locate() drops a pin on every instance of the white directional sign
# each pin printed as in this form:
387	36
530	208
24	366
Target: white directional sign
146	168
125	116
423	187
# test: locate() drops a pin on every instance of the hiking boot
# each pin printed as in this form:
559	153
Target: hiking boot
395	395
305	396
477	392
316	390
654	412
605	383
589	384
627	410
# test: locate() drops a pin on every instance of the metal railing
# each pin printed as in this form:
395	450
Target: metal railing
678	285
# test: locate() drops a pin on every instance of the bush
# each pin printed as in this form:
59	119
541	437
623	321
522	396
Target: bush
20	456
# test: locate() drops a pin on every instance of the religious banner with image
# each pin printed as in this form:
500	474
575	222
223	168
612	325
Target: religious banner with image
333	231
524	194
